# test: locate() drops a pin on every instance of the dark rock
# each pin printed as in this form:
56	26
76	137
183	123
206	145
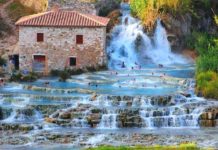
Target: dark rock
93	119
65	115
129	118
4	113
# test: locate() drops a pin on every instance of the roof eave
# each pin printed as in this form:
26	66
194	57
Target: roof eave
61	26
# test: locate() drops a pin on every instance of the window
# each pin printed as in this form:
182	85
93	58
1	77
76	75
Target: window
72	61
40	37
79	39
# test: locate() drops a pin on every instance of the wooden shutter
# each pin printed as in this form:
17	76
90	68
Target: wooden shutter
79	39
40	37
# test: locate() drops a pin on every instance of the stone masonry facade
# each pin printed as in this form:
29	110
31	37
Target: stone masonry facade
59	45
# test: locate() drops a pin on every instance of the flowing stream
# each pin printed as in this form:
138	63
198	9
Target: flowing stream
147	89
130	47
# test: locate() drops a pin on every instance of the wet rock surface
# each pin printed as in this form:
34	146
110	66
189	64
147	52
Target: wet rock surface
209	118
129	118
34	115
5	113
16	127
90	138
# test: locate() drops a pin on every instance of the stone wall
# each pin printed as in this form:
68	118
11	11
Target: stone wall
60	44
77	5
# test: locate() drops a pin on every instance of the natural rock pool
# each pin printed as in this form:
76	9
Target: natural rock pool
127	107
146	98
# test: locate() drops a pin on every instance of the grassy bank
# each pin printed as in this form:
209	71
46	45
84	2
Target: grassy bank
188	146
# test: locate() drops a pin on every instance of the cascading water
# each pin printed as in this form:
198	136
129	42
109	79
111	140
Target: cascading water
130	47
108	121
125	98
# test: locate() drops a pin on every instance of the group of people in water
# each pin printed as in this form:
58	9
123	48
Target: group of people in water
2	82
133	79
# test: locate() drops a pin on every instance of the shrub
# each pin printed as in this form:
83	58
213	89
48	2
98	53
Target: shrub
107	6
64	75
203	43
2	61
55	73
207	62
211	91
19	77
16	77
76	71
207	84
31	77
207	48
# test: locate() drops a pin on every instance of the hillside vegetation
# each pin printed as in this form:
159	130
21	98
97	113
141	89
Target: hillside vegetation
35	5
17	10
150	10
207	65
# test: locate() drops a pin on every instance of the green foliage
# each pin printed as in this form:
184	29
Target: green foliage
216	19
199	41
207	84
2	61
19	77
55	73
188	146
204	43
64	75
3	1
207	64
16	10
107	6
207	48
149	10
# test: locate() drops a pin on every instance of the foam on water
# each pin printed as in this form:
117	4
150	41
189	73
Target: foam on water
130	47
96	139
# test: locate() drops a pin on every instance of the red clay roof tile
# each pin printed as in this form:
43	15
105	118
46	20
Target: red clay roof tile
62	18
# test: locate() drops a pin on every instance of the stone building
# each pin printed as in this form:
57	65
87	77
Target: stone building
58	39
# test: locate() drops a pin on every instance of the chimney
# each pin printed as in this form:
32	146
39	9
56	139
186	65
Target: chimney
55	7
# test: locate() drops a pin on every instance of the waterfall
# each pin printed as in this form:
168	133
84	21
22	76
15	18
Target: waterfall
131	47
108	121
183	113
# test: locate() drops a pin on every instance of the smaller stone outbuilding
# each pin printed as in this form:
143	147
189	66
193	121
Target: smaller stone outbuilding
61	39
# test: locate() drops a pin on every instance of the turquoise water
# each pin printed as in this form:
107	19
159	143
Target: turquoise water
149	81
